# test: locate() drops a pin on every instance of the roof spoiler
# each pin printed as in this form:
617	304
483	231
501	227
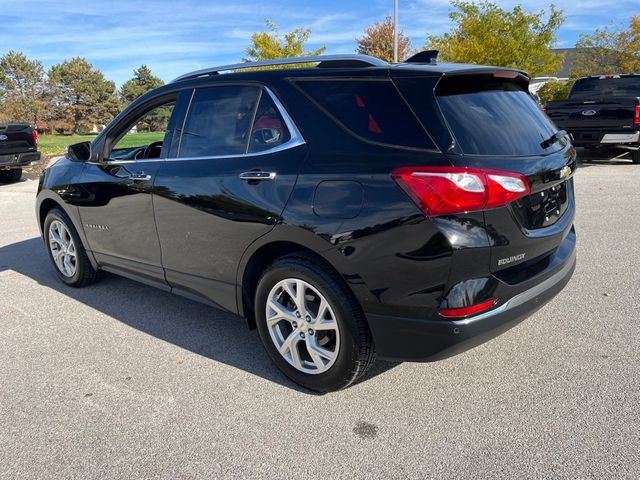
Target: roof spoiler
426	56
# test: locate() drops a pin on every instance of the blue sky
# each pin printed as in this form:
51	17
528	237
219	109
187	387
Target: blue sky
173	37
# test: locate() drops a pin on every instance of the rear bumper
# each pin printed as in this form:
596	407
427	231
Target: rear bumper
582	138
16	160
414	339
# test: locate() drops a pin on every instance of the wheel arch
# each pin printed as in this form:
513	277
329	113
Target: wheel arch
45	204
259	258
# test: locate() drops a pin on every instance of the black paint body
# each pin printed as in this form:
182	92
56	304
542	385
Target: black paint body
197	229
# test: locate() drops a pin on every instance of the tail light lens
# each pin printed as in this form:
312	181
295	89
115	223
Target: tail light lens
636	117
448	190
34	134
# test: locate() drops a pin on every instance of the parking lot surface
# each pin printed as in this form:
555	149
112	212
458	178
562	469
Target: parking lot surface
120	381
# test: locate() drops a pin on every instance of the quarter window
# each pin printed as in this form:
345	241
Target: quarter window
269	129
373	110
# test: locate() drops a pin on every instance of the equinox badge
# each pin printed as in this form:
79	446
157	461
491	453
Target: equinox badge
511	259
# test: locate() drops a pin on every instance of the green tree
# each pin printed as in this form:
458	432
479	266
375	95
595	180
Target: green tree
486	34
554	90
269	44
141	82
608	50
80	95
22	88
377	41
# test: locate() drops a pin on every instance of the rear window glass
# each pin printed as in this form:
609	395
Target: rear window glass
493	117
590	88
372	110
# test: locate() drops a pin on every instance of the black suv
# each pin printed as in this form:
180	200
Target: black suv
346	208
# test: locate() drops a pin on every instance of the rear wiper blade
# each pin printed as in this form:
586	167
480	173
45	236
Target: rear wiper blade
554	138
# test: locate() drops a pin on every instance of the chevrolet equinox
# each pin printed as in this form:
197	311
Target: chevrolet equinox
348	208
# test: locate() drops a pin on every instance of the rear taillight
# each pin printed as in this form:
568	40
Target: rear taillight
636	116
448	190
34	134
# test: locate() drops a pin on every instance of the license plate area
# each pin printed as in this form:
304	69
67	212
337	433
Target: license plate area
620	138
542	209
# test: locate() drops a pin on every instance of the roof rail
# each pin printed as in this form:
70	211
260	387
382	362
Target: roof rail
333	61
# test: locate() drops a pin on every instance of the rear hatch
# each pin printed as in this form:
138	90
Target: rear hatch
16	138
495	125
605	102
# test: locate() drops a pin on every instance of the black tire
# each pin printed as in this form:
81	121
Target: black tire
10	176
356	352
84	274
635	156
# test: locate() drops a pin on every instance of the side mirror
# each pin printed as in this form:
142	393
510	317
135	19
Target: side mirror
78	152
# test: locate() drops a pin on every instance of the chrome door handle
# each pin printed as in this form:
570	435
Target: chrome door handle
140	176
257	175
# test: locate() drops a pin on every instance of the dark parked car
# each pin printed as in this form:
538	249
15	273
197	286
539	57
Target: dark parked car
18	148
602	111
346	209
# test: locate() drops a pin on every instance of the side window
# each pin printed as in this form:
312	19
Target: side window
370	109
219	121
269	129
145	137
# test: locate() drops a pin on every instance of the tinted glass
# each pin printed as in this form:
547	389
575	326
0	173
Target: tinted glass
495	118
219	121
373	110
268	130
591	88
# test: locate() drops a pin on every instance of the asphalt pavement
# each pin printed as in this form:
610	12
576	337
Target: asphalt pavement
122	381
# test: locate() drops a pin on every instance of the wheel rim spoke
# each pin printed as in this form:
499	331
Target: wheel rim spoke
62	247
281	313
299	299
297	312
326	325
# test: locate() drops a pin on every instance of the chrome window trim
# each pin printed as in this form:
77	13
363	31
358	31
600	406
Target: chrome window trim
295	141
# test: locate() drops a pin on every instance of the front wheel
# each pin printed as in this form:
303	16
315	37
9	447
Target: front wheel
635	157
65	249
10	176
311	325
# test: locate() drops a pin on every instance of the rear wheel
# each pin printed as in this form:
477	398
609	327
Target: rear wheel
65	249
635	156
311	325
10	176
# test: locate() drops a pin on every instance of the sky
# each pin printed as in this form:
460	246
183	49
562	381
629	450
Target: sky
178	36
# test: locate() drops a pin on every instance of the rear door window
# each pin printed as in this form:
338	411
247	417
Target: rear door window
606	86
370	109
219	121
494	117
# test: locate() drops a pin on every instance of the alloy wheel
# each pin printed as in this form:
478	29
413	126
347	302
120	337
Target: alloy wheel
62	247
302	326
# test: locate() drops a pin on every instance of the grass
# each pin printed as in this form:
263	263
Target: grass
54	144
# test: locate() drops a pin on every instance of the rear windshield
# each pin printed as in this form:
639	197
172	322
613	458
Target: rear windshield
606	86
370	109
494	117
